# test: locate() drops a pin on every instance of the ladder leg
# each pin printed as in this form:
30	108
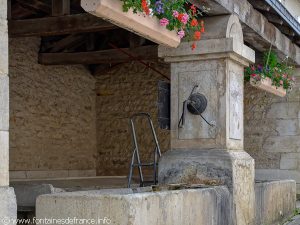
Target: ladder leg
131	169
140	168
155	167
136	155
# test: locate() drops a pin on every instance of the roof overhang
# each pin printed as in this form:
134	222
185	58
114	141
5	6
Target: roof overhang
285	15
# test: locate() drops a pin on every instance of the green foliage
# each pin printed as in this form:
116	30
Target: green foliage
270	59
279	72
164	9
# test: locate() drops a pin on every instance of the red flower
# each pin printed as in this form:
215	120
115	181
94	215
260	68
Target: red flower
194	9
202	26
145	7
194	23
180	16
197	35
193	46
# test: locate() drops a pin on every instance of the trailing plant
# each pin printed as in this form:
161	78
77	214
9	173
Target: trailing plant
279	72
176	15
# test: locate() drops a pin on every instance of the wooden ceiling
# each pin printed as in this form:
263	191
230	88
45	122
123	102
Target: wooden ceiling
71	36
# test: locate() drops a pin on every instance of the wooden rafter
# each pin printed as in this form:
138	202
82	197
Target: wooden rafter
52	26
35	5
19	12
110	56
65	43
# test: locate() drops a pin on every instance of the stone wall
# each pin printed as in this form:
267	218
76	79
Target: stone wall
8	204
52	114
122	91
275	201
4	96
272	133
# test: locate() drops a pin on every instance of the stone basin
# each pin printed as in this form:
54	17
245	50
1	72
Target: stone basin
194	206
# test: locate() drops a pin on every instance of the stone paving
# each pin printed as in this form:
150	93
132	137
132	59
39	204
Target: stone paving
295	220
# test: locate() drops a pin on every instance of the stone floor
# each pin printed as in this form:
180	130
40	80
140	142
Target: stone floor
295	220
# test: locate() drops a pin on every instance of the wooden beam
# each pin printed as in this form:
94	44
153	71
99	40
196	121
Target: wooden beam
136	40
66	42
8	9
60	7
19	12
35	5
110	56
53	26
90	42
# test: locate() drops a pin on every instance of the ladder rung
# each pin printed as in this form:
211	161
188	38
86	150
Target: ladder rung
144	164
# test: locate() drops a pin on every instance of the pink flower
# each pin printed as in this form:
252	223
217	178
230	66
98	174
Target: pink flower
181	34
284	76
164	22
281	82
175	13
185	18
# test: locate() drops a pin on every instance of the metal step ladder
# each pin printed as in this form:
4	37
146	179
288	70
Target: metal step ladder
136	160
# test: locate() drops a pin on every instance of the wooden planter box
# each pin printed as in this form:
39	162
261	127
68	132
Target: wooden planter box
146	26
266	85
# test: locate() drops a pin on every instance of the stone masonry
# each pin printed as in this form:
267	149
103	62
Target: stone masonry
8	205
201	153
55	111
272	133
122	91
52	115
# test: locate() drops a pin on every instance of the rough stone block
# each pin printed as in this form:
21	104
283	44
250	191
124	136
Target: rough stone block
4	158
232	168
277	174
192	206
4	103
8	206
290	161
27	194
3	46
46	174
275	201
288	127
285	144
82	173
3	9
283	110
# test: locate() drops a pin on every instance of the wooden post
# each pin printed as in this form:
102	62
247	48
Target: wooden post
60	7
9	9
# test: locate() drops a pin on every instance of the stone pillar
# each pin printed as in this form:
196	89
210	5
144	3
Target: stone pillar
201	153
8	208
